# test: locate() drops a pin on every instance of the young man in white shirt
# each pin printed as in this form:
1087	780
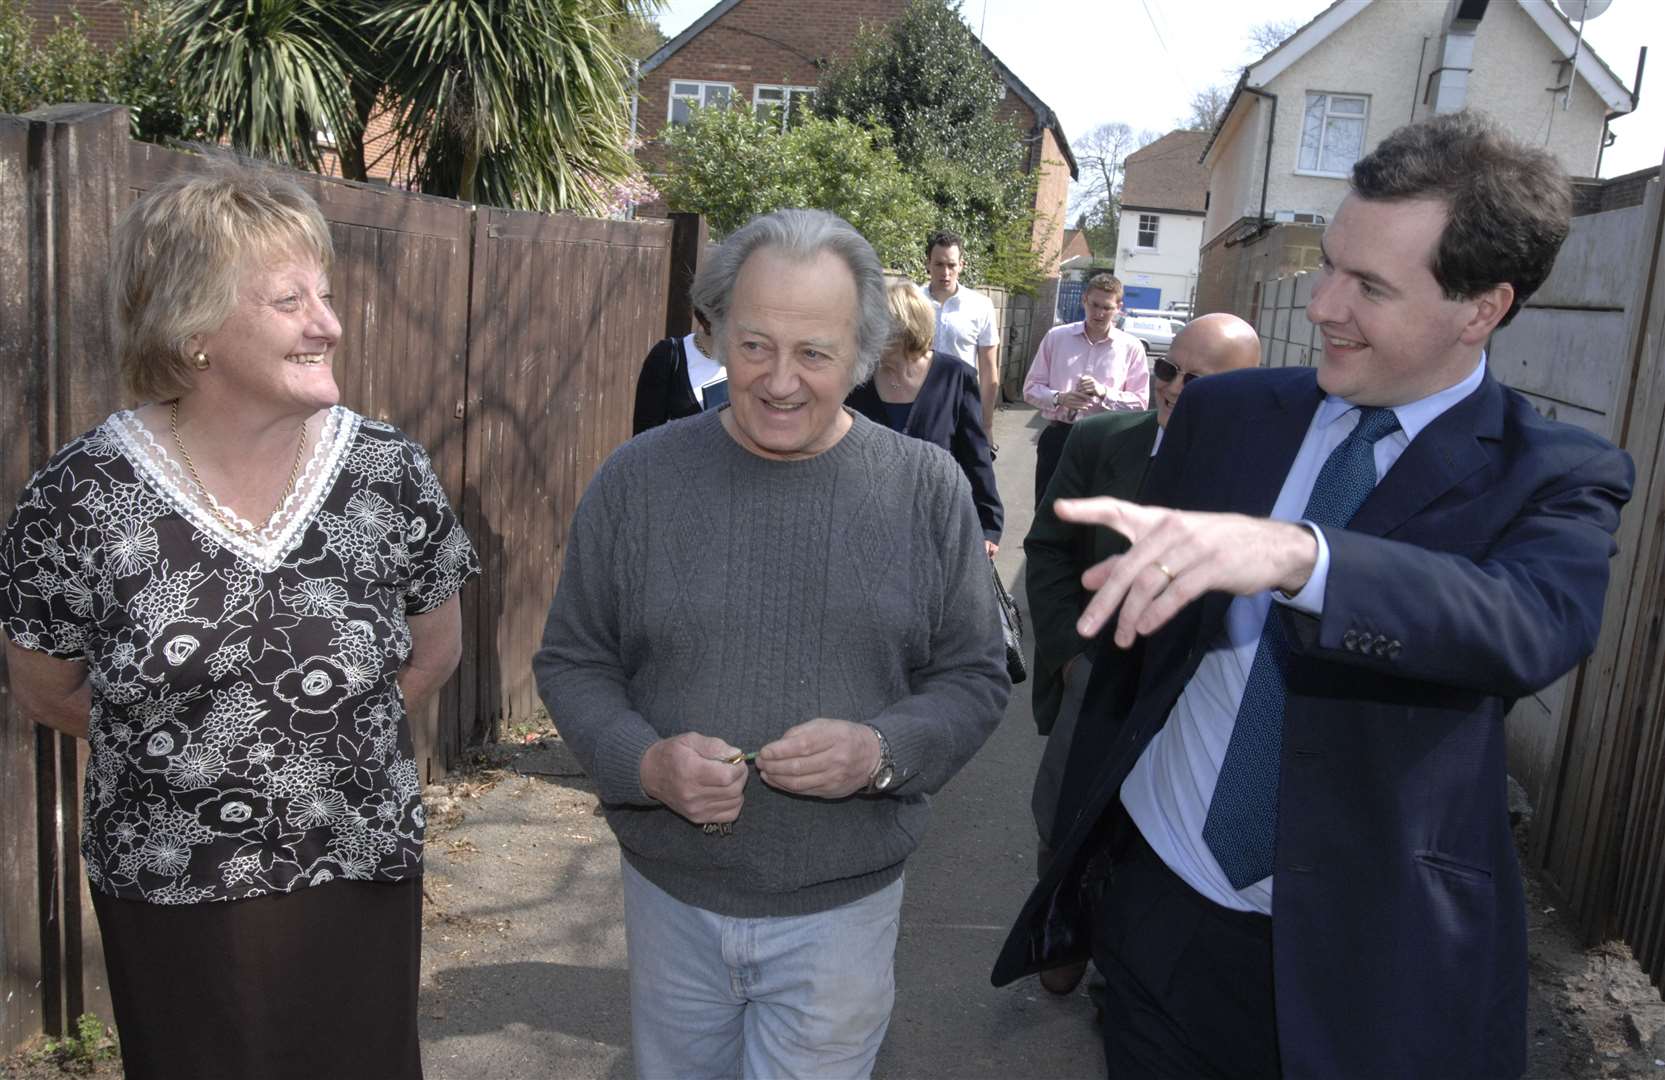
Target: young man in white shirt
965	318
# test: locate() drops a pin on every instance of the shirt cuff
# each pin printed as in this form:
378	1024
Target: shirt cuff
1311	597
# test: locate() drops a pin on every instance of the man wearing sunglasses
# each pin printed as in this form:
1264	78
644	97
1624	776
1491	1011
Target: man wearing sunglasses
1342	579
1105	454
1084	368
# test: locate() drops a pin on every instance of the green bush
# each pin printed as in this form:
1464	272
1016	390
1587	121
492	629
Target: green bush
68	67
729	165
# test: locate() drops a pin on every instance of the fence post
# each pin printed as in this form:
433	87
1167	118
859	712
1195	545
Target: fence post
77	179
689	236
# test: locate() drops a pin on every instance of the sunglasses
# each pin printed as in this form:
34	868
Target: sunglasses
1166	371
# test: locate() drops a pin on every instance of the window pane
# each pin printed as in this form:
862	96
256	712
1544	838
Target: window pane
679	110
1352	106
685	89
1343	141
1312	131
717	96
770	93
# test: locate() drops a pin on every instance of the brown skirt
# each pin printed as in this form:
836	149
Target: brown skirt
316	984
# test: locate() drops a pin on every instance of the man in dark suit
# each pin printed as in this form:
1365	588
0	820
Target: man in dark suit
1345	578
1105	454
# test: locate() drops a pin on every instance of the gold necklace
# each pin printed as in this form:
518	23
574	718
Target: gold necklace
213	504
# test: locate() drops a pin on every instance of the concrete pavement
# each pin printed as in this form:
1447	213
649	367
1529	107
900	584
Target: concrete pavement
523	969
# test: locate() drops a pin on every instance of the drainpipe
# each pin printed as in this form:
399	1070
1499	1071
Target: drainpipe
635	94
1266	171
1607	135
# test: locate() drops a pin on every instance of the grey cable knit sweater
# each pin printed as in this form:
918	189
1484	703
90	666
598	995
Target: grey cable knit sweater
708	589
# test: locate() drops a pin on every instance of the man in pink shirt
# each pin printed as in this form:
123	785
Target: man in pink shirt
1084	368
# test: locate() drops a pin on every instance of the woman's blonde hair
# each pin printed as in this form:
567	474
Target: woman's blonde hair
180	255
915	319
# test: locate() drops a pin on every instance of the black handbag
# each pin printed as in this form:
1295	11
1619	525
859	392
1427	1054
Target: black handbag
1011	628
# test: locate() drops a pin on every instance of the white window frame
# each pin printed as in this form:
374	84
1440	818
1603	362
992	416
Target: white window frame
1324	129
788	96
1155	231
698	100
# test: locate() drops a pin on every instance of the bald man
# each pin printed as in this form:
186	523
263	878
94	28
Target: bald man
1105	454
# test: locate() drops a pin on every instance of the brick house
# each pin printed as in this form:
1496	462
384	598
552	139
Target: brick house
771	53
106	21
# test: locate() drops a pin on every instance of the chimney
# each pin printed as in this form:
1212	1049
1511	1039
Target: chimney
1448	85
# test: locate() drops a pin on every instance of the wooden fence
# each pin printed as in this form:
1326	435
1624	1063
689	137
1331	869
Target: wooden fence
508	344
1588	349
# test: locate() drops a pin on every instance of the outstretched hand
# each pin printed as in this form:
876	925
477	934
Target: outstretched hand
1178	555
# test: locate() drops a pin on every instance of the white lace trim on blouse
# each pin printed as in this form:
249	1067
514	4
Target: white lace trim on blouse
264	546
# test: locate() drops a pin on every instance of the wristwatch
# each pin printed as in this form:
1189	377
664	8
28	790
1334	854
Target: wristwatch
884	773
1055	399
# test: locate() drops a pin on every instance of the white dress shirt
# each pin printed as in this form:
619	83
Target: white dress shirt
1168	791
965	323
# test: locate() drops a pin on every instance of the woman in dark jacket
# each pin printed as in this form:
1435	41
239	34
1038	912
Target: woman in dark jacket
675	378
932	396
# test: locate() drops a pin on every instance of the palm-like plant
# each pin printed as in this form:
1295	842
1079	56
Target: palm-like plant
511	102
270	75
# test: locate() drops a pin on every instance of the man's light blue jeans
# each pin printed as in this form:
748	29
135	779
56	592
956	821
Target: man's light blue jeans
763	999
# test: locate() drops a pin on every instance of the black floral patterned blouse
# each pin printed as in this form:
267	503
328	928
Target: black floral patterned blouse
247	732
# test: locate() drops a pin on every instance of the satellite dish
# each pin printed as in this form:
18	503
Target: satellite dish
1582	10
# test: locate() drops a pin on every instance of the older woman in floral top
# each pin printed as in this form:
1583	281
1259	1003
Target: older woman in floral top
236	592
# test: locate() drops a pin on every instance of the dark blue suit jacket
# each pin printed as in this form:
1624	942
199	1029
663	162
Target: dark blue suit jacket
1474	573
948	412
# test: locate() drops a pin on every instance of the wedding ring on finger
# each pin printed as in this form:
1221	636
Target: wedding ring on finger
1165	570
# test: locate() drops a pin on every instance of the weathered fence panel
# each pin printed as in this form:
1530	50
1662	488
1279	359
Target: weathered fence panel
25	443
572	307
1014	318
507	344
1596	834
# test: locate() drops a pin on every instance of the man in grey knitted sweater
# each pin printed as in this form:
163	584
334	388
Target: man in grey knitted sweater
787	583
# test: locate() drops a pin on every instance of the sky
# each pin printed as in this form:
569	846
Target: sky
1140	61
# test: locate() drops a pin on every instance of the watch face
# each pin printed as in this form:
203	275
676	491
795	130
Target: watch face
885	775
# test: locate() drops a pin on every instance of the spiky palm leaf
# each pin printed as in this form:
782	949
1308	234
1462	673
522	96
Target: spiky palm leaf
269	75
512	102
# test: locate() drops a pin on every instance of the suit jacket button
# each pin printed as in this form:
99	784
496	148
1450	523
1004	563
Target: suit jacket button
1350	641
1381	646
1393	650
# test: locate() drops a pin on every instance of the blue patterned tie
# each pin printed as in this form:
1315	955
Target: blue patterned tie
1241	827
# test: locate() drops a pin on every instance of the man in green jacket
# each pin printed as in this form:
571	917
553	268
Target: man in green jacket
1106	454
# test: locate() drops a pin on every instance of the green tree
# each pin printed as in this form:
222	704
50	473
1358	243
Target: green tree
66	66
148	79
512	102
636	35
929	80
730	164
